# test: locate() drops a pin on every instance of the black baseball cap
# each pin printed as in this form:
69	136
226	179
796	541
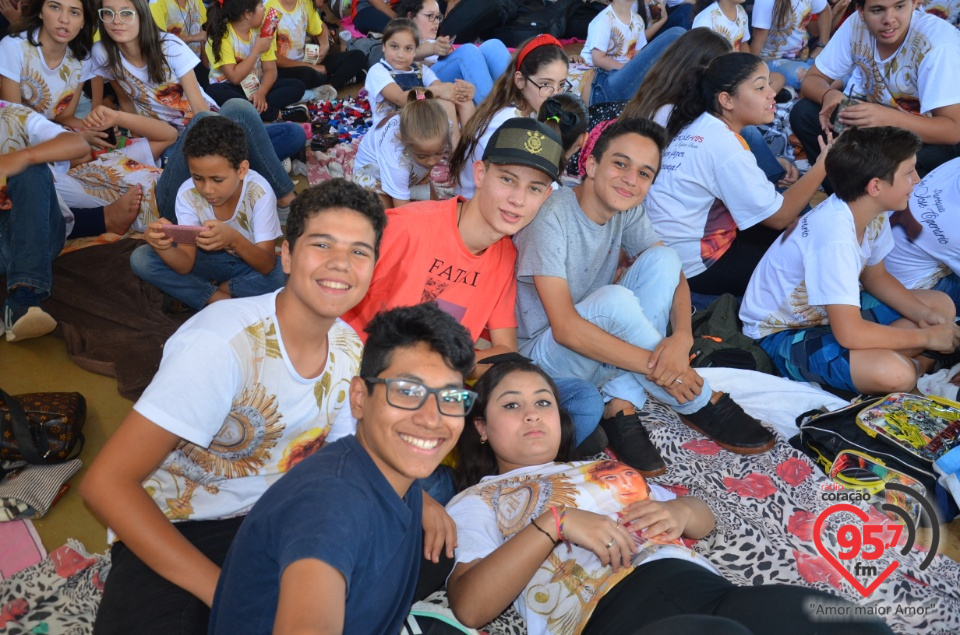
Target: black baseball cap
525	141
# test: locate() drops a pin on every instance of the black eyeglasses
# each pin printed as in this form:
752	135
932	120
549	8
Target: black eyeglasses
107	16
409	395
546	89
432	17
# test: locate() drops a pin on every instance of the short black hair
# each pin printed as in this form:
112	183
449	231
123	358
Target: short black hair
408	326
333	194
216	136
643	127
860	155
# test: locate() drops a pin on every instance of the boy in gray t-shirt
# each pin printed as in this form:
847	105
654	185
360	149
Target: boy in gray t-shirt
574	321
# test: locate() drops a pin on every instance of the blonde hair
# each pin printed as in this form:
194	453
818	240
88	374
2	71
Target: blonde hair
422	118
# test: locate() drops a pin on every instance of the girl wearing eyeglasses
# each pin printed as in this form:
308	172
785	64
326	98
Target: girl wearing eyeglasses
479	65
537	71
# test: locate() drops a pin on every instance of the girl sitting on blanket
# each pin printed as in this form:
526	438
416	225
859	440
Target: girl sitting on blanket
394	159
590	547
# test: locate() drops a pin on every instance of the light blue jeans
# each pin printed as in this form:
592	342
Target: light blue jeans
637	311
210	269
262	151
32	232
479	65
792	70
622	84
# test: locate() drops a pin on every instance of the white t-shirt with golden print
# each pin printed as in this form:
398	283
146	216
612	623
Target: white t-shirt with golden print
816	262
46	90
923	74
227	387
565	590
734	31
255	217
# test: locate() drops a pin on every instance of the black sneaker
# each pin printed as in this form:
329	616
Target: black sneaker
295	114
730	427
633	446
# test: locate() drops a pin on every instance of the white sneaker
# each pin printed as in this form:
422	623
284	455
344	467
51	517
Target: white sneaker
287	165
35	322
325	93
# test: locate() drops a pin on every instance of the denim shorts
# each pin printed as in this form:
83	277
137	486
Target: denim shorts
814	354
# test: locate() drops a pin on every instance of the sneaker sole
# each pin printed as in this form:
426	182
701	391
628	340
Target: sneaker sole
736	449
35	323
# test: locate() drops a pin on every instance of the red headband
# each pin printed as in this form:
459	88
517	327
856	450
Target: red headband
540	40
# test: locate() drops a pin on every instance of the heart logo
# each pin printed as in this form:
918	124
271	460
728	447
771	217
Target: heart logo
817	530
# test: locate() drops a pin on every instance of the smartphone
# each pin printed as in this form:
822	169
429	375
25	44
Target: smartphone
838	126
186	234
111	135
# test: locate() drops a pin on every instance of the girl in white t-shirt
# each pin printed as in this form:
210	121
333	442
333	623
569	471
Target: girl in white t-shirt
537	71
185	19
709	188
389	80
151	71
41	66
395	159
780	35
588	546
617	46
243	59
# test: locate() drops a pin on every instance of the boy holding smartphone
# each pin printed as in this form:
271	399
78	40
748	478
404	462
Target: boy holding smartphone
227	217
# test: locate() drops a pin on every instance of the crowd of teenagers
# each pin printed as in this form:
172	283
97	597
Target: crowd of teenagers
523	322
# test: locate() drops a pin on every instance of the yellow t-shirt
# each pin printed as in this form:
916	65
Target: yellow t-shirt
180	21
294	27
233	50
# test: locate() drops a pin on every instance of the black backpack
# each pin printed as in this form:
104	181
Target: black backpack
537	17
719	342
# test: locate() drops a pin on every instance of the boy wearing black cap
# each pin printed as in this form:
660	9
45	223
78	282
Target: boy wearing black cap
574	321
453	252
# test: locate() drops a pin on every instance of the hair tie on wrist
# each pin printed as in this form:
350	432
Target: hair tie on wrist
537	42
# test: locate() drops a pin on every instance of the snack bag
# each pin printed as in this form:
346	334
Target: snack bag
269	25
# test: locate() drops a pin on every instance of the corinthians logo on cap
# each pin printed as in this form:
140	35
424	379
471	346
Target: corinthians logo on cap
534	144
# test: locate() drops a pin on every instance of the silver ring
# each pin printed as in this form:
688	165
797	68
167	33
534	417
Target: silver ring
678	380
612	542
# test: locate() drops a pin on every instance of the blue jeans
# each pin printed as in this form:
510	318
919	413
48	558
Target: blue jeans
583	403
951	286
32	233
261	153
680	15
792	70
479	65
195	288
761	151
622	84
637	311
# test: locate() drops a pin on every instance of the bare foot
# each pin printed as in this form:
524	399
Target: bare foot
286	200
120	214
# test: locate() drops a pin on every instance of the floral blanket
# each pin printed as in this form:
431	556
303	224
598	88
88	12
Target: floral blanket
766	507
59	595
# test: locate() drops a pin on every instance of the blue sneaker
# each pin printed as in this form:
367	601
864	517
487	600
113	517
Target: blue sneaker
23	318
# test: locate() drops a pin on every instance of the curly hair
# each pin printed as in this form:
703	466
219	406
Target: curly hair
335	194
216	136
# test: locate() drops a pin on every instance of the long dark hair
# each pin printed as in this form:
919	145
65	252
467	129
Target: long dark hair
703	84
663	85
476	459
219	15
148	40
565	114
503	94
80	46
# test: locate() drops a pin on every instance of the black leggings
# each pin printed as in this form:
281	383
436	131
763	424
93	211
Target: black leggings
732	272
283	93
671	588
341	68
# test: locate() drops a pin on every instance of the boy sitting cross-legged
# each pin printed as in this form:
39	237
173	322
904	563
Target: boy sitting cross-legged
239	210
804	299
